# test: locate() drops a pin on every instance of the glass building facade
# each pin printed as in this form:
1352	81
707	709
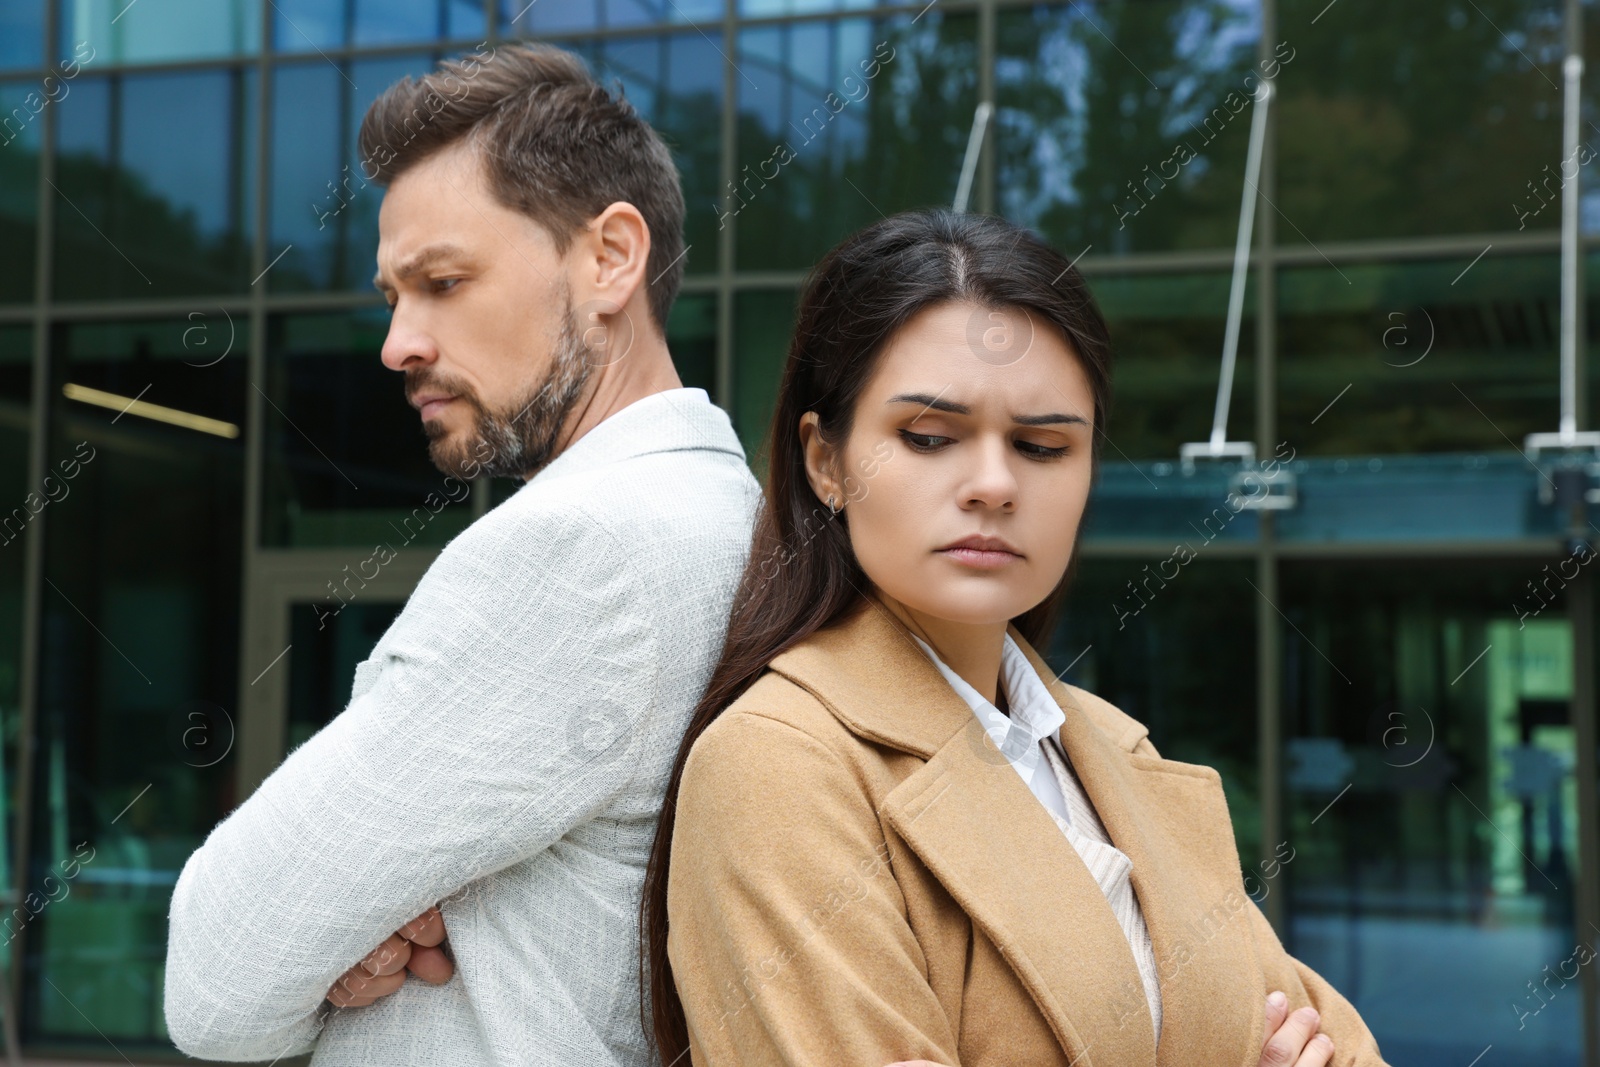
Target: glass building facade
1392	667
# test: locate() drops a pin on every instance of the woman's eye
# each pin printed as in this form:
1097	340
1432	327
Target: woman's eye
922	442
1042	451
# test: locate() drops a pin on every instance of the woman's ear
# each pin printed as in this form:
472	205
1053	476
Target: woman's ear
820	460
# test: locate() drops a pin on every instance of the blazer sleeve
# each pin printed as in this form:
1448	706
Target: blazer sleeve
502	707
788	937
1353	1043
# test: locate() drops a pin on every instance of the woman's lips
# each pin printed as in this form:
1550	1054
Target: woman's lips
983	559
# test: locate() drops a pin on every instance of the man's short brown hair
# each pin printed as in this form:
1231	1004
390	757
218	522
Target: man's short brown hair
556	146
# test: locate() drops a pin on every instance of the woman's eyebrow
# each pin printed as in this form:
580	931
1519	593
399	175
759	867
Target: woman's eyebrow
957	408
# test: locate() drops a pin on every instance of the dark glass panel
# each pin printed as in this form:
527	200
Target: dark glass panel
322	208
1124	126
328	642
21	34
1403	120
692	340
1173	645
21	103
121	31
763	321
155	180
138	667
520	17
843	122
1419	356
19	503
676	83
310	25
1166	334
346	460
1430	804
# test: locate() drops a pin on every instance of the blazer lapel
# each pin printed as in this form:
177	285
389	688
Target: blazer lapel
1171	819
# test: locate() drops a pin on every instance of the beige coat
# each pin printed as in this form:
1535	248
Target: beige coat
859	877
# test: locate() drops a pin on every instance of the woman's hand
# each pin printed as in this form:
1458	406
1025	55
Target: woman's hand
1292	1040
1289	1041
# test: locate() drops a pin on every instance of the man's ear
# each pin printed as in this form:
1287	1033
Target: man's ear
616	256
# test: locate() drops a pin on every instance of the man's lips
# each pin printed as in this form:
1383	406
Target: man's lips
432	407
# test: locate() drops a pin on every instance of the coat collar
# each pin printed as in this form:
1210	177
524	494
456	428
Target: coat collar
974	824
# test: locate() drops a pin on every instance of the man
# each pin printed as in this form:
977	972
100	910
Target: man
506	746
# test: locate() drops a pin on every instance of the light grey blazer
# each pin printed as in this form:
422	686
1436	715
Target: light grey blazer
505	750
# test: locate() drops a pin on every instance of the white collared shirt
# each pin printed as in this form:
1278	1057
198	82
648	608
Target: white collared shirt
1035	716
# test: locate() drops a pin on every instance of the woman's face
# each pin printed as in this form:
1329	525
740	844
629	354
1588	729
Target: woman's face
976	422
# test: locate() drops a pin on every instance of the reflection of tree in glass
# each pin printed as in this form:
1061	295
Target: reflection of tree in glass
166	242
898	138
1426	121
1092	99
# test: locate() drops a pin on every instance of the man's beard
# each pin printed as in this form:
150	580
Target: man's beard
520	440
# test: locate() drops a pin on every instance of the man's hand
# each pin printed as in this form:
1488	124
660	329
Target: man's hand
414	947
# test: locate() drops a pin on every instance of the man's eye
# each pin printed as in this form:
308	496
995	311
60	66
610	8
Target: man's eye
444	284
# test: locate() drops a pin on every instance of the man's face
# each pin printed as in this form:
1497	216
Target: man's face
482	320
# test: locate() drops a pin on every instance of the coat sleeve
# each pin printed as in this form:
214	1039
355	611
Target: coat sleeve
788	937
499	714
1353	1043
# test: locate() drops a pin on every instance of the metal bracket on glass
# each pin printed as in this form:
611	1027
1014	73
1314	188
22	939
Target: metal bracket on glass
1257	489
1572	470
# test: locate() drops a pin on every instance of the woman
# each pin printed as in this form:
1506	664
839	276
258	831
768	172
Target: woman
861	857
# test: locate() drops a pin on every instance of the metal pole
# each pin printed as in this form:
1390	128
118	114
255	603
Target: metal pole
969	165
1241	263
1573	69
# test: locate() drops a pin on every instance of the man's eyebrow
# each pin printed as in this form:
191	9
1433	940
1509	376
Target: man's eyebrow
957	408
423	259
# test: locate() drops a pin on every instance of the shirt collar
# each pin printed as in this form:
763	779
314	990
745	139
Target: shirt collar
1034	712
665	421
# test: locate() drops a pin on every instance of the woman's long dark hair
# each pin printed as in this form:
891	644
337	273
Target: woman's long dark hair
802	574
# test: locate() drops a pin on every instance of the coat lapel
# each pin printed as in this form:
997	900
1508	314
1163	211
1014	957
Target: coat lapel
975	825
1171	819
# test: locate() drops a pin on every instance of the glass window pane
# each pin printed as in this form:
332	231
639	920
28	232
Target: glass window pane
1124	126
329	639
676	84
121	31
1166	335
20	131
1418	119
155	179
308	25
522	17
138	665
1431	806
763	321
1161	650
1419	356
338	469
322	209
21	504
692	340
844	121
21	34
